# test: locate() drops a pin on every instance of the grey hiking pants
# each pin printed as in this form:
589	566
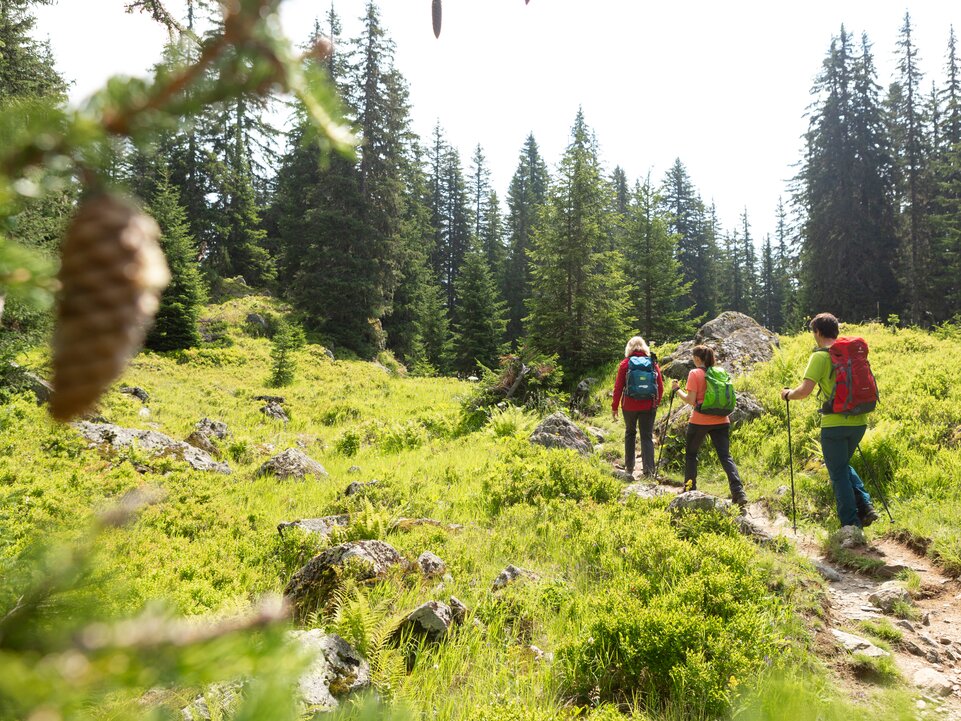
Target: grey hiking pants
642	421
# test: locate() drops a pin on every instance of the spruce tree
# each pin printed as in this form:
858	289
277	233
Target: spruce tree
579	305
175	325
686	220
26	65
480	321
525	198
491	241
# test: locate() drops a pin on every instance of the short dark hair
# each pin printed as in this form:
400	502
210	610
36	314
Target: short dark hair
706	354
825	324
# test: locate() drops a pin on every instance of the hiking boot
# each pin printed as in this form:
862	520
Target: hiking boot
868	517
740	501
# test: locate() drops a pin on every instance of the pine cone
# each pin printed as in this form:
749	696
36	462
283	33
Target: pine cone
111	277
435	12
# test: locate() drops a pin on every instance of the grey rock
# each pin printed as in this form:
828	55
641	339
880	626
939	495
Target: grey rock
905	624
292	463
338	669
697	501
431	565
932	656
856	644
137	392
354	469
144	412
738	340
782	491
203	442
358	487
827	573
932	681
275	411
851	537
431	621
271	399
330	354
928	640
212	428
458	610
509	575
914	648
258	321
107	435
558	431
889	594
926	619
322	527
310	587
753	530
30	381
747	409
600	435
891	570
645	490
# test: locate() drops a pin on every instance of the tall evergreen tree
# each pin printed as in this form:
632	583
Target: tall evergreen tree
480	319
686	213
26	65
749	267
578	304
175	325
492	241
451	215
657	289
525	198
479	188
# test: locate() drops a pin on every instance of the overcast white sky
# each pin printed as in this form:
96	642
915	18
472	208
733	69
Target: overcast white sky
722	85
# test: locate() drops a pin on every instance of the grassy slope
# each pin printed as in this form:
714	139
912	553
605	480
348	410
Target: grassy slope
213	545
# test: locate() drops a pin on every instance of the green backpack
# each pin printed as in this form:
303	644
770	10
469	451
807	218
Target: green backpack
719	397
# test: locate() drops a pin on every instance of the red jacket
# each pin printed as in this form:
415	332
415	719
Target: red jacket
632	404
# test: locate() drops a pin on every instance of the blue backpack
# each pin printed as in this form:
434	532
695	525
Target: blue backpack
641	378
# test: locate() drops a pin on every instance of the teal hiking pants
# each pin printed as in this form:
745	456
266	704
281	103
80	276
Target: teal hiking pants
838	445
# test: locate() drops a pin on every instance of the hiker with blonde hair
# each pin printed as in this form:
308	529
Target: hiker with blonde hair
638	389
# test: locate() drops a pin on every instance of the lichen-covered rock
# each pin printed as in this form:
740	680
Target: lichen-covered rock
108	435
431	564
338	669
558	431
291	463
275	411
458	610
310	587
322	527
697	501
203	442
739	341
212	428
511	574
137	392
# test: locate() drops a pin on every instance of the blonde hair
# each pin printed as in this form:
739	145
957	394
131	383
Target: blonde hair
635	344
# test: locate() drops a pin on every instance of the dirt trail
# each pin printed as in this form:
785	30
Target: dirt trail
929	653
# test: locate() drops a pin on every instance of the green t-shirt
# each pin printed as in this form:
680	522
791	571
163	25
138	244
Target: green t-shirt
819	371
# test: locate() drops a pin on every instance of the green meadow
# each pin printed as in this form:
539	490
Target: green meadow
629	614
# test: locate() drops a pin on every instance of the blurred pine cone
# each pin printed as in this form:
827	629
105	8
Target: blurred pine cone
111	277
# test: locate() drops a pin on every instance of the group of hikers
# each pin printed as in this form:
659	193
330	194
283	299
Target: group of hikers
837	368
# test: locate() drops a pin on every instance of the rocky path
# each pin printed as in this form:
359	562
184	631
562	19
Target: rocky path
928	655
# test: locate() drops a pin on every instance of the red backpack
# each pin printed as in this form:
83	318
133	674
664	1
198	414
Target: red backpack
855	390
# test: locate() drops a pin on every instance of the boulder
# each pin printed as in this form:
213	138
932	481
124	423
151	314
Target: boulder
330	354
257	321
827	573
275	411
137	392
322	527
697	501
511	574
932	681
856	644
889	594
311	586
212	429
291	463
271	399
739	341
431	565
108	435
358	487
850	537
431	621
558	431
203	442
22	378
458	610
338	669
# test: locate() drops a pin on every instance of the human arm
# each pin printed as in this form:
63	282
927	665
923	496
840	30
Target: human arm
799	392
819	366
619	381
688	395
660	385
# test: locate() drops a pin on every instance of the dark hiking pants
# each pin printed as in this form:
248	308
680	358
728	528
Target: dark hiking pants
721	439
838	445
642	421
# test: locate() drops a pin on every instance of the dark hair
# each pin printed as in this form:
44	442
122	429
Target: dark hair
705	354
825	324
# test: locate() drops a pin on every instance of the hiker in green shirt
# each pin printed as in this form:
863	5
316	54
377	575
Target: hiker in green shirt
840	434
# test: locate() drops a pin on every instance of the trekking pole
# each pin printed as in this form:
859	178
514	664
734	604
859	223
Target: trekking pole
877	483
790	454
667	422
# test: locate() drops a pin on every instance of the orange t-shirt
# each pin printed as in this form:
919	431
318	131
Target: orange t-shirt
697	385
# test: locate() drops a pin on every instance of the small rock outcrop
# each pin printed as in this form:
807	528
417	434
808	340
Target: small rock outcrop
697	501
107	435
310	587
739	340
458	610
338	669
274	410
291	463
212	428
359	487
856	644
510	575
258	322
934	682
890	594
20	377
322	527
558	431
137	392
203	442
431	621
431	565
